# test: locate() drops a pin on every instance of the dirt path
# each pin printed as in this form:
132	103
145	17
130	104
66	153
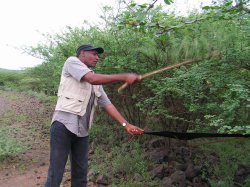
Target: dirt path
28	119
3	106
24	116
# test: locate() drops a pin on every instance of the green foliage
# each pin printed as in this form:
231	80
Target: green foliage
168	1
224	171
112	157
10	78
129	164
246	183
135	182
9	147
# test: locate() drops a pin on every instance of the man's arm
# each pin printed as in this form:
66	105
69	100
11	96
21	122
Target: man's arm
98	79
116	115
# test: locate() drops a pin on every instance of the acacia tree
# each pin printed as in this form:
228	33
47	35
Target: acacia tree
214	92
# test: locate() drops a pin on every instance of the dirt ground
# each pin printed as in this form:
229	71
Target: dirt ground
29	120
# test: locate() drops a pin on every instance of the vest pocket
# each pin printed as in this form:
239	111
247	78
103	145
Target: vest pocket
71	104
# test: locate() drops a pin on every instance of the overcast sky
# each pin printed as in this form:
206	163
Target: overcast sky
24	21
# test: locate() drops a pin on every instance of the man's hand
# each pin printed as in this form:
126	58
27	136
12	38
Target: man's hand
134	130
131	78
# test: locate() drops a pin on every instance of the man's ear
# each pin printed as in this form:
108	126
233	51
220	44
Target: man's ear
81	54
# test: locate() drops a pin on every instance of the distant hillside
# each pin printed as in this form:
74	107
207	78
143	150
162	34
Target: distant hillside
9	70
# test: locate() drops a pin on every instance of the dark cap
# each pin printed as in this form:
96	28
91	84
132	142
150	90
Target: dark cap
88	47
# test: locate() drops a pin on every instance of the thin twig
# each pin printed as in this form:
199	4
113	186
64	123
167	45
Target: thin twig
151	6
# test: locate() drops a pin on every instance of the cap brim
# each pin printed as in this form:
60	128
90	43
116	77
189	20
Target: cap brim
98	49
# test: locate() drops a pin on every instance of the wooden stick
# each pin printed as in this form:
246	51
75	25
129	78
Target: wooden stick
125	85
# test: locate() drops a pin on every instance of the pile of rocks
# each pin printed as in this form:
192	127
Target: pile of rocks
177	164
173	163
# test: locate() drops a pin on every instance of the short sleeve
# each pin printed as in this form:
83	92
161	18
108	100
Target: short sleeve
103	100
73	67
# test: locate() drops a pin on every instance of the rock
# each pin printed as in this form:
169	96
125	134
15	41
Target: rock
169	170
178	178
102	179
91	151
156	143
158	172
157	157
167	182
198	185
242	170
92	175
100	185
197	180
177	165
138	177
192	171
43	164
201	184
186	152
242	173
172	156
91	184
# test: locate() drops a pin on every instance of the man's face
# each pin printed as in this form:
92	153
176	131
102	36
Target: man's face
90	58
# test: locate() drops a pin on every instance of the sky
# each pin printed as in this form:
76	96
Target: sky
24	21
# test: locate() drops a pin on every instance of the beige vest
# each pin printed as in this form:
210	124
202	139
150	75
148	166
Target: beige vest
73	96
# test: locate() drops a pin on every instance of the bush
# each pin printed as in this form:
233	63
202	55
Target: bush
8	146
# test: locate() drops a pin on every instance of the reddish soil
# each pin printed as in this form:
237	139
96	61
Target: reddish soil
30	118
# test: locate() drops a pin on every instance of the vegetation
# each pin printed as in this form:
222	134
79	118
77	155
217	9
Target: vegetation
211	95
9	147
228	165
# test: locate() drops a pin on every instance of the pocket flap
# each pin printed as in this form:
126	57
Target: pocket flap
74	96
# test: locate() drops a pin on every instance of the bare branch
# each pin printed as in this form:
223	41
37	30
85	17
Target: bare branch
151	6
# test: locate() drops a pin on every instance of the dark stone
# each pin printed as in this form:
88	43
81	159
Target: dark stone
192	171
102	179
172	156
138	177
242	170
242	174
197	180
198	185
169	170
167	182
177	165
157	143
201	184
157	157
157	172
178	178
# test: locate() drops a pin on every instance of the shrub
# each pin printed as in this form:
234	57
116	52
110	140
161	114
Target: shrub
8	146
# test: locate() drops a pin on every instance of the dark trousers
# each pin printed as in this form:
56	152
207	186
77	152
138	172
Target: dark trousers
62	144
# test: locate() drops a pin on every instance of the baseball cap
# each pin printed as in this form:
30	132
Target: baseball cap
88	47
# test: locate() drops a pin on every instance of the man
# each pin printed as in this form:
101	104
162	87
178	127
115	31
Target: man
79	92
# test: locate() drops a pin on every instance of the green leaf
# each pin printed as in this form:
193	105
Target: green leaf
168	2
133	4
